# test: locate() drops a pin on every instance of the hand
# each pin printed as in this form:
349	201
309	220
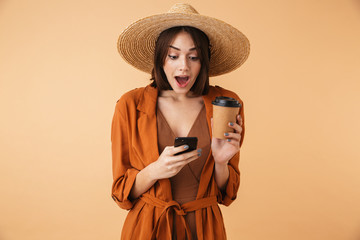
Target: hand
224	149
168	165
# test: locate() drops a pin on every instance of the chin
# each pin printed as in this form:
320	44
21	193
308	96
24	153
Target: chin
181	90
185	89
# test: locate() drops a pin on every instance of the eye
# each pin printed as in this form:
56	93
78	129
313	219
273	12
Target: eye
194	58
173	57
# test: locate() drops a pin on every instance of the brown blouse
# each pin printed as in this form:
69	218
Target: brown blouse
133	136
185	184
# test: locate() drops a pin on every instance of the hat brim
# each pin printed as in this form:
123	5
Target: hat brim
229	47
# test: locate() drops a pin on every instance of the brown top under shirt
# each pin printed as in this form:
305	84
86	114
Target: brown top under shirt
185	184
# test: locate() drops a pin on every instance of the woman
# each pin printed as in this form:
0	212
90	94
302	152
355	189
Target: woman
170	194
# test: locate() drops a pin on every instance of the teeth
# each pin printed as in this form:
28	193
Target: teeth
182	78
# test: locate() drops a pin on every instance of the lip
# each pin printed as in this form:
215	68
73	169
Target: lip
182	80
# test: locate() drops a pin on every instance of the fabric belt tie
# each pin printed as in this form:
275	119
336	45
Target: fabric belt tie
166	215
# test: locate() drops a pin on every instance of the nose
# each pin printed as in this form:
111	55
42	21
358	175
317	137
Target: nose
184	64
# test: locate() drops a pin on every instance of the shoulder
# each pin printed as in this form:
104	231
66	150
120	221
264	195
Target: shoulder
130	98
128	101
131	95
142	99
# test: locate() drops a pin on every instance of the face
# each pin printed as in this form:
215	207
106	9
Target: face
182	64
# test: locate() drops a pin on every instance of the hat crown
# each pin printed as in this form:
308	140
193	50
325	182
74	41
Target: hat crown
136	44
183	8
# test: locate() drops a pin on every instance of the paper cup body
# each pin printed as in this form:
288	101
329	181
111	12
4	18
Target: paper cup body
221	118
225	110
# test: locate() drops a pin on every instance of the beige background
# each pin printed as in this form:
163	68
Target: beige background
60	77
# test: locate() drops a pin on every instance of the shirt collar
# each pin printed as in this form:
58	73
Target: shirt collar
148	100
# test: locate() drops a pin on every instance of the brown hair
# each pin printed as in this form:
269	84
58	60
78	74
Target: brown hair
202	45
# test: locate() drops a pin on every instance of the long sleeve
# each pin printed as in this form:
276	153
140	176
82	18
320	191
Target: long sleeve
229	194
133	136
123	173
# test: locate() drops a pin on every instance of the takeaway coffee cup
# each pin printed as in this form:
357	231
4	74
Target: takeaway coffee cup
225	110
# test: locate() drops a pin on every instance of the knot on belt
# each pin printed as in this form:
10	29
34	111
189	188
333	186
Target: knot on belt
166	216
176	207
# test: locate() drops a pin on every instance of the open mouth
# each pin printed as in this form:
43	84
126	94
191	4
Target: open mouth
182	81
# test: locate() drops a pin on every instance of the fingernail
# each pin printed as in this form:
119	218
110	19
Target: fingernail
228	140
199	150
226	134
231	124
199	154
186	146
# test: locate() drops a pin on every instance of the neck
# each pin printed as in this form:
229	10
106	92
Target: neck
177	96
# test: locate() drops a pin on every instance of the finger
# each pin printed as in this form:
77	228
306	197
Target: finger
235	126
179	149
181	164
192	158
233	142
185	156
239	120
232	136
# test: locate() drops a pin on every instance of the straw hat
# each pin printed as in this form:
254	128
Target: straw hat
229	47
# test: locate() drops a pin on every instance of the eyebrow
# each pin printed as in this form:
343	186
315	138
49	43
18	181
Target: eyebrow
191	49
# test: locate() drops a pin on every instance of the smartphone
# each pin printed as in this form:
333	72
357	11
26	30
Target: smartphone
190	141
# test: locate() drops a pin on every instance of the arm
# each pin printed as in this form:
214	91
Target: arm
221	175
228	191
166	166
123	173
129	183
226	156
144	180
